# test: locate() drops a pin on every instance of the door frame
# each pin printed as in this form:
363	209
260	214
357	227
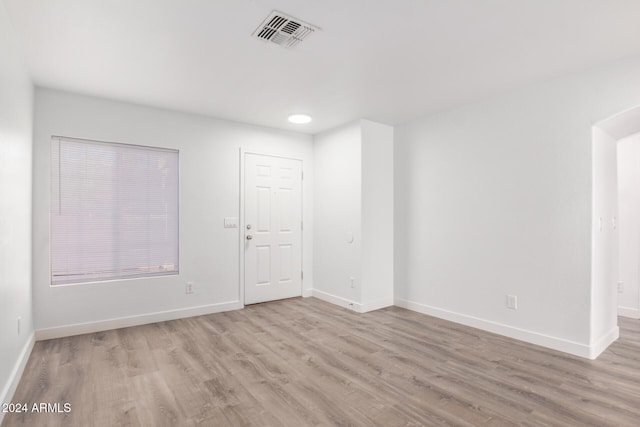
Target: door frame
241	220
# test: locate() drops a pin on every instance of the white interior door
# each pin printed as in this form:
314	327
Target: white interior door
272	228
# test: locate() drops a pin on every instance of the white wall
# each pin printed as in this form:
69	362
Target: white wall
604	239
377	215
629	224
354	200
209	191
16	111
337	215
494	198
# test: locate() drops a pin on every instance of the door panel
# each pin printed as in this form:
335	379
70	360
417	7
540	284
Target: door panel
273	228
286	217
263	209
286	260
263	256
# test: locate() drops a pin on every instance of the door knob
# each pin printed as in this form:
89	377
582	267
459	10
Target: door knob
249	237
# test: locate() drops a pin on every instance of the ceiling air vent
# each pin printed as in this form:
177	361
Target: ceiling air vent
284	30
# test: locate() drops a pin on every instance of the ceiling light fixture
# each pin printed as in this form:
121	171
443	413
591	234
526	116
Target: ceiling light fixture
299	119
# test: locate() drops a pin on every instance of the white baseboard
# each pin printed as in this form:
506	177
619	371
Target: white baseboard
16	373
566	346
604	342
333	299
125	322
633	313
306	293
376	305
352	305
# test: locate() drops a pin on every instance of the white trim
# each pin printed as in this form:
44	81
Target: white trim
605	341
376	305
632	313
125	322
333	299
241	226
566	346
306	293
351	305
16	373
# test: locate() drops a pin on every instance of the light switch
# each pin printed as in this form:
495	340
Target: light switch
230	222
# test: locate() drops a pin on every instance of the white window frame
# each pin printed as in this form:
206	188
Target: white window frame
124	261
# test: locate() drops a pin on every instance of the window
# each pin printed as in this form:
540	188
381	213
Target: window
114	211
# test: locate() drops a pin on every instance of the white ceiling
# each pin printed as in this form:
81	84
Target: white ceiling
385	60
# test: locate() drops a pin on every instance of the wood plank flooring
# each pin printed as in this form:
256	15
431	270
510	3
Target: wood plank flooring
304	362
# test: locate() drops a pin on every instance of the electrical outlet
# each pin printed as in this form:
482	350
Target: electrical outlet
352	282
620	287
188	288
512	302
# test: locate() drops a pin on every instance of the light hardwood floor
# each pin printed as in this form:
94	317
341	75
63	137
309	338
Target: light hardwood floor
304	362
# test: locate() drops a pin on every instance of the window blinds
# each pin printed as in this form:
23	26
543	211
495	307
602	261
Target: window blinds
114	211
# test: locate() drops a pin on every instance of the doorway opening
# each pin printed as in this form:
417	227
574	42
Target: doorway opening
615	236
271	228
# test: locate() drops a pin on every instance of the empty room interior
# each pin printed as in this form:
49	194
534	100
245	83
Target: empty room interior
318	213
